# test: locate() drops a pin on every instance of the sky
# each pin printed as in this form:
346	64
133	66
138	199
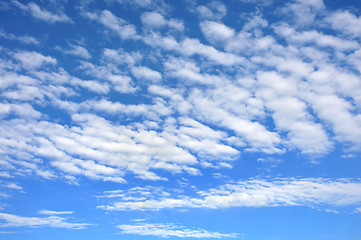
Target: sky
183	119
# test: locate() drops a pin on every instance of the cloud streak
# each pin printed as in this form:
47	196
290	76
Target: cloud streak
309	192
52	221
170	230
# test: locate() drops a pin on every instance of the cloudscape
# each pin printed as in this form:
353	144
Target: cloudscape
188	119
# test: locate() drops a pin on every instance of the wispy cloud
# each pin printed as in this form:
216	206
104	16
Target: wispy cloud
50	212
42	14
22	38
170	230
309	192
114	23
52	221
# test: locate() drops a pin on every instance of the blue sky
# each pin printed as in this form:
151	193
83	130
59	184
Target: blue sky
149	119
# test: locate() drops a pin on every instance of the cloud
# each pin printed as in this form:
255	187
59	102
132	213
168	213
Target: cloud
190	47
340	19
49	212
322	40
146	73
304	12
23	110
23	39
119	80
214	10
137	3
42	14
120	56
33	60
106	156
114	23
170	230
52	221
309	192
79	51
156	20
216	32
13	186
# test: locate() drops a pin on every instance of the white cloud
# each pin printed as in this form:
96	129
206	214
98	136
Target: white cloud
24	39
191	47
114	23
309	192
214	10
33	60
13	186
24	110
49	212
146	73
316	37
120	56
153	19
304	12
156	20
120	82
94	86
345	22
216	32
79	51
100	151
43	14
170	230
346	126
290	113
52	221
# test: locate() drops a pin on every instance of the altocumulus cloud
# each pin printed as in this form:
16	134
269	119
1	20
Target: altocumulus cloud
158	105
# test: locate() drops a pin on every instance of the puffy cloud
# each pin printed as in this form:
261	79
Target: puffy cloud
100	151
146	73
33	60
170	230
24	110
345	22
216	32
120	82
346	126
